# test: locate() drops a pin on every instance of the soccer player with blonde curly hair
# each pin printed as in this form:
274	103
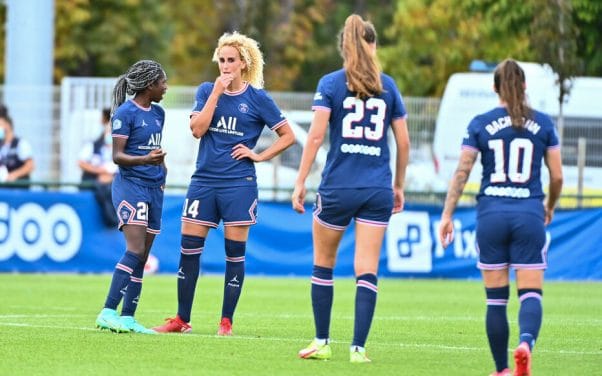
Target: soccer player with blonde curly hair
228	117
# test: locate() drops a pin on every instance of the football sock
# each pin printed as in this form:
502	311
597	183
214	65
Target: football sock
121	277
529	315
365	302
322	291
191	248
496	324
234	276
132	292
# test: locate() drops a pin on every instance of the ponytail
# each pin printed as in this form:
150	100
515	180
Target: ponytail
361	64
137	78
509	83
118	93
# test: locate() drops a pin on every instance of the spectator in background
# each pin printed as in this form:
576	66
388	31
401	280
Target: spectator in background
96	162
16	154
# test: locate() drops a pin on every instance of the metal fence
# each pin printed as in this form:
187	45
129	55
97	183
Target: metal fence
75	112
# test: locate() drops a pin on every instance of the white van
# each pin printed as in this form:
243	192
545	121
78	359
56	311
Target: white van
469	94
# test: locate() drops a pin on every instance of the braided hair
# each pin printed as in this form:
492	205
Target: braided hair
137	78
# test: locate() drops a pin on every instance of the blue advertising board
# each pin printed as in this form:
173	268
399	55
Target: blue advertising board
63	232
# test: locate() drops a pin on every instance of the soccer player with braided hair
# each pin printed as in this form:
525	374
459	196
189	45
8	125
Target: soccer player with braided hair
513	140
358	104
137	190
228	117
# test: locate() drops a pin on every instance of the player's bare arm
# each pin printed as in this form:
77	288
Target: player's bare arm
467	159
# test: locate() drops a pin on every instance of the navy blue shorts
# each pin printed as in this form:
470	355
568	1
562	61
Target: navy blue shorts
512	239
137	204
334	208
235	206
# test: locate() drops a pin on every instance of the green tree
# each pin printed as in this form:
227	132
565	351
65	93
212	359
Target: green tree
104	37
194	27
326	21
434	39
587	16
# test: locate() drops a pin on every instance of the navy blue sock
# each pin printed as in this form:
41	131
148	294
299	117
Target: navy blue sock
121	277
496	324
234	277
132	292
322	292
365	302
529	315
191	248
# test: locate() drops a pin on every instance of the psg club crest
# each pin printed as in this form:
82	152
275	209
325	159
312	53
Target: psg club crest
243	107
116	124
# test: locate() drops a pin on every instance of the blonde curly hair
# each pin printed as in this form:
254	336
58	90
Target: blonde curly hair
250	53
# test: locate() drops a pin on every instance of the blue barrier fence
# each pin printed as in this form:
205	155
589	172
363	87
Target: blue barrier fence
63	232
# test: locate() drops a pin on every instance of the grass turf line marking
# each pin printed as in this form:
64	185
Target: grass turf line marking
296	340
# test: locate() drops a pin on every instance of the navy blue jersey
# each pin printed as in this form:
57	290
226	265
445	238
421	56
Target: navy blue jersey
239	118
142	128
511	158
359	153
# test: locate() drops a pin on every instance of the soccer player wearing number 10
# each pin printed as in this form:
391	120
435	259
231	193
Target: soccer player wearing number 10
359	104
513	139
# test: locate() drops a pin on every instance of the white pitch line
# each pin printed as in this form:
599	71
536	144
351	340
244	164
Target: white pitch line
284	316
297	340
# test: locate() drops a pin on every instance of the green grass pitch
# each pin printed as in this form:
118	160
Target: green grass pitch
421	327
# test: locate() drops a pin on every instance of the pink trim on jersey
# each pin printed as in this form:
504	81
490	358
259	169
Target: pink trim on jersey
199	222
124	268
191	251
147	109
497	302
322	282
280	124
328	225
468	147
366	284
235	259
131	220
482	266
153	231
372	223
401	117
530	295
252	221
554	147
539	266
245	86
136	279
239	223
120	136
321	108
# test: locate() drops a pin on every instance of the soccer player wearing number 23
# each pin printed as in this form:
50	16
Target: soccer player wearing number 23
358	104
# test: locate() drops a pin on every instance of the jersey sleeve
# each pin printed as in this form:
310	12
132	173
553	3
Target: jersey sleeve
399	108
200	98
553	139
161	114
121	124
271	114
322	97
470	139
